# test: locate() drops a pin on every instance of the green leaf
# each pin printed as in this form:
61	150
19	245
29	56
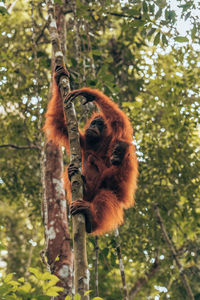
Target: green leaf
145	7
138	23
73	62
3	11
181	39
158	14
67	298
2	247
53	291
86	293
48	276
152	8
97	52
156	39
5	289
194	30
113	259
164	39
77	297
8	278
134	11
37	273
14	283
97	298
169	14
186	6
105	251
187	15
12	297
50	283
109	59
151	31
25	288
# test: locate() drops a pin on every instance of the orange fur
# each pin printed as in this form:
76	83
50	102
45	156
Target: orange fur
109	189
55	126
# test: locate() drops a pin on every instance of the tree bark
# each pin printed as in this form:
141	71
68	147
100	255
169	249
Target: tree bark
81	277
58	250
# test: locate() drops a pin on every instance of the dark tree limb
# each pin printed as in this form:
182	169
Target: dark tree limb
20	147
175	255
120	15
121	264
144	279
41	32
96	265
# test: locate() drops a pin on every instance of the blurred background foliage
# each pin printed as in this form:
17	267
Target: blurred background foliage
135	53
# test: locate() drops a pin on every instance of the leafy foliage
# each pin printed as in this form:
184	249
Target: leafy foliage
40	286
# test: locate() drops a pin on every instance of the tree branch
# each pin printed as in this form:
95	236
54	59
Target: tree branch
144	279
121	15
42	32
121	264
20	147
175	255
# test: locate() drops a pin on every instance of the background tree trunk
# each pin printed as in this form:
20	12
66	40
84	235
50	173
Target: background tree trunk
58	249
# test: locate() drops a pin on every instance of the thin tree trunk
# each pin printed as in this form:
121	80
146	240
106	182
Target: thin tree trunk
79	234
96	266
121	264
58	251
